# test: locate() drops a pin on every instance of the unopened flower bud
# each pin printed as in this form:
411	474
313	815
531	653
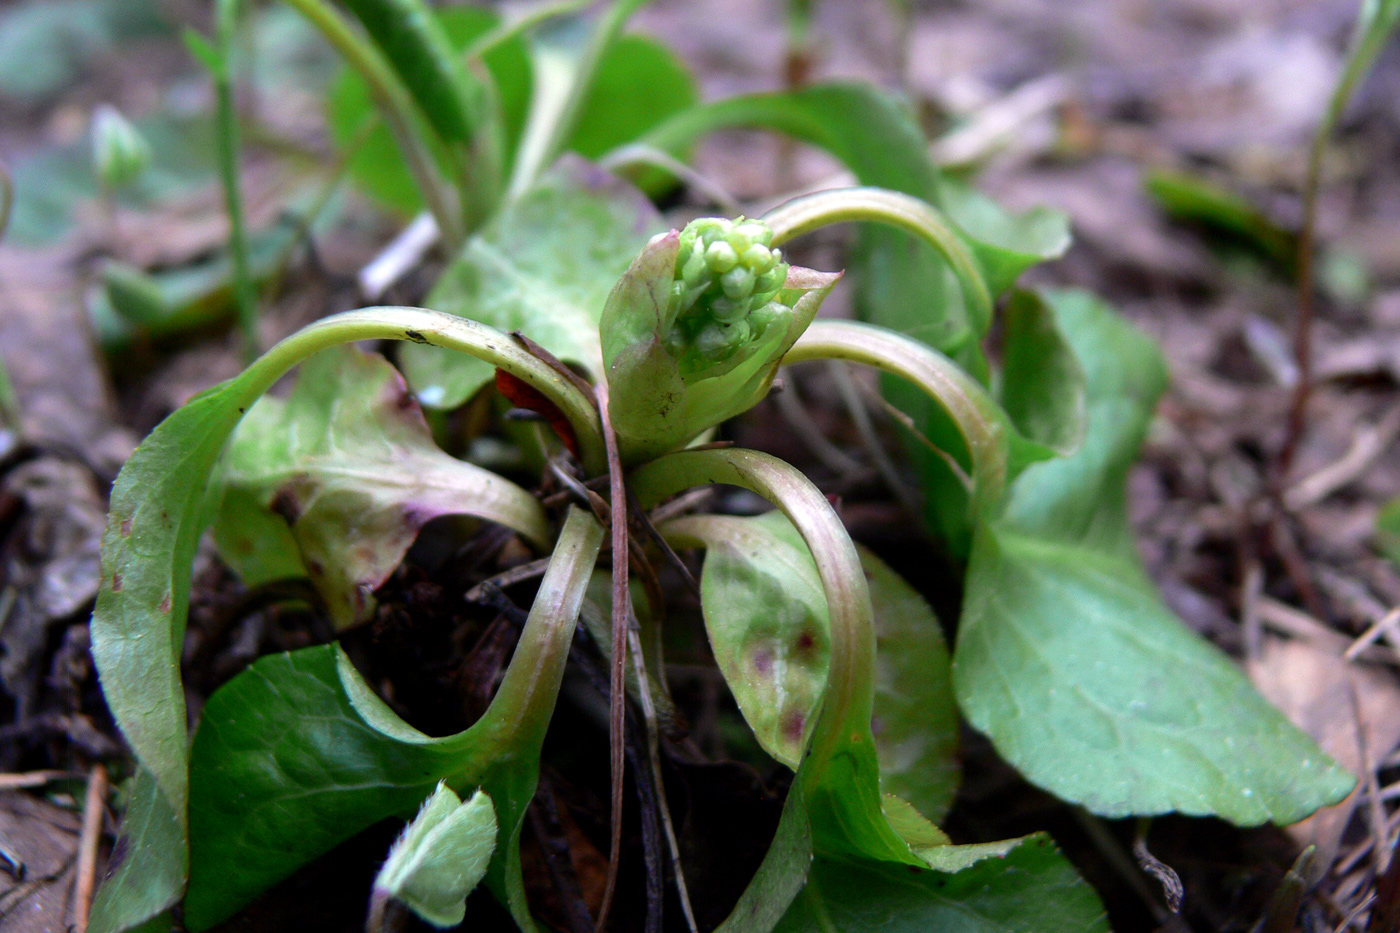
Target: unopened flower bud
693	332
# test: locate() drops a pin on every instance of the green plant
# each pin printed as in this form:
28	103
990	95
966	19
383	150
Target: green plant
1066	658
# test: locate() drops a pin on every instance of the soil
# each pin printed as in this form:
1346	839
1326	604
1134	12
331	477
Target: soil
1068	105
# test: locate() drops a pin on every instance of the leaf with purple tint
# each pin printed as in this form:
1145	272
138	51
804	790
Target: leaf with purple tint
346	469
768	623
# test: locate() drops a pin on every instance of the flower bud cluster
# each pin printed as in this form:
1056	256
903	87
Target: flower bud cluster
726	279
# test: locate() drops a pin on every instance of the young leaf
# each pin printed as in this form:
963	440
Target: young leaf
767	619
297	753
1028	888
347	462
544	266
440	857
1068	659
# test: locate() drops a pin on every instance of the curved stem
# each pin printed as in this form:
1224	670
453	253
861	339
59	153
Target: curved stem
521	709
420	325
979	419
879	205
405	120
850	692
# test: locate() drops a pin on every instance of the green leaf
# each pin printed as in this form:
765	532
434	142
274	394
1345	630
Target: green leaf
377	165
146	873
1375	23
543	266
1030	888
347	461
1042	383
291	757
297	754
415	43
1192	199
441	856
766	615
638	84
1069	661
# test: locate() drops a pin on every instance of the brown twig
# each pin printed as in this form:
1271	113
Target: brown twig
94	809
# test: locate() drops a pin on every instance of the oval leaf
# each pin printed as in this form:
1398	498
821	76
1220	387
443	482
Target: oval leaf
348	465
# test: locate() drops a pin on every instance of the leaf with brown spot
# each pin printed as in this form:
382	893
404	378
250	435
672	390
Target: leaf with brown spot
768	625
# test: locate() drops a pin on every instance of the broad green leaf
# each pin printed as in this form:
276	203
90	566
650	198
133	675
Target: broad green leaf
1068	659
766	615
1028	888
543	266
639	83
291	757
347	462
377	165
441	856
297	754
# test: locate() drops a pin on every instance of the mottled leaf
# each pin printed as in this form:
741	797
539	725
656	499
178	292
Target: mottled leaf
766	615
347	463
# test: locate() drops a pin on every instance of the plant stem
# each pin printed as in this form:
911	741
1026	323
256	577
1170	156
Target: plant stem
226	22
976	415
879	205
444	330
840	773
521	710
404	119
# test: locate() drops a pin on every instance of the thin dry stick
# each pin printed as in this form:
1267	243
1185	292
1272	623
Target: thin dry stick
1384	625
27	779
621	600
94	809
